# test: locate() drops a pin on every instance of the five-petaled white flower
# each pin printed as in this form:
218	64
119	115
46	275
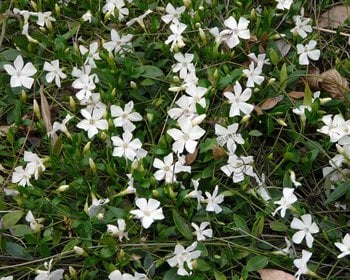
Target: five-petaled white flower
238	166
284	4
118	231
186	137
184	257
308	51
228	136
302	26
45	19
173	14
344	246
306	228
93	121
238	99
253	75
286	201
196	193
148	211
20	73
96	206
61	126
197	94
47	274
55	73
184	64
301	264
35	224
126	147
124	118
213	201
119	5
186	108
176	38
21	176
201	232
34	164
92	54
293	179
118	44
235	31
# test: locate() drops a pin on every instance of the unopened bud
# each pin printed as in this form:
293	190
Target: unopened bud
72	103
36	109
110	57
100	216
202	35
76	48
187	3
155	193
201	8
150	117
79	251
176	79
72	272
216	74
198	25
92	165
104	136
63	188
107	16
271	81
87	148
253	14
57	9
133	84
23	96
281	122
34	5
245	119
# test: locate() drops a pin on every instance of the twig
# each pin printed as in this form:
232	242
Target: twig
331	31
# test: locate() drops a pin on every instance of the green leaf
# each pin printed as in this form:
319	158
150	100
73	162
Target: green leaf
307	96
149	71
171	274
256	263
20	230
219	275
255	133
203	266
240	222
338	192
278	226
258	226
182	226
10	219
17	251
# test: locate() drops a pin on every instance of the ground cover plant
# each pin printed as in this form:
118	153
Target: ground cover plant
194	139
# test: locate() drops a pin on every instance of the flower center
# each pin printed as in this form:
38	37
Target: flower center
124	115
125	145
186	137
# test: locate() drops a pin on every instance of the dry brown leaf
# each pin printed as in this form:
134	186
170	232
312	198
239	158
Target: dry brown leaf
218	152
190	158
4	129
296	94
334	17
274	274
46	114
313	78
270	103
258	110
334	83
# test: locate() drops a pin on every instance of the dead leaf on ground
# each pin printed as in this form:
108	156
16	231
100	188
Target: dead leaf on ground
270	103
334	83
296	94
313	78
274	274
46	115
190	158
218	152
258	110
334	17
4	129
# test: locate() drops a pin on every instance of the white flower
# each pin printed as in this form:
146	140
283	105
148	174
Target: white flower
92	54
21	176
228	135
287	250
186	108
124	118
57	126
34	164
118	231
84	82
117	275
284	4
186	137
167	169
196	193
197	94
213	201
292	178
87	16
286	201
48	275
301	264
173	14
235	31
335	127
34	223
176	38
308	51
96	206
139	19
344	247
184	257
302	26
93	122
148	211
7	278
201	232
93	102
126	147
118	44
45	19
260	60
55	73
238	166
300	111
238	99
20	73
184	64
112	5
253	75
306	229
